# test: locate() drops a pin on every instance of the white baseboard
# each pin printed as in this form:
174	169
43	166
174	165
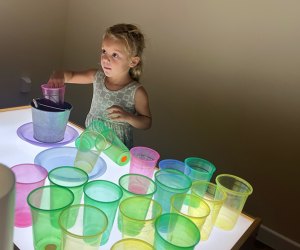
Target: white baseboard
276	240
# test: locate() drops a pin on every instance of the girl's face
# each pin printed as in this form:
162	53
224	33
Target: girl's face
115	60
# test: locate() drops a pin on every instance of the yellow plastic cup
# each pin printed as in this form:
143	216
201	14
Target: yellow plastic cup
237	191
131	244
214	197
87	232
191	206
137	216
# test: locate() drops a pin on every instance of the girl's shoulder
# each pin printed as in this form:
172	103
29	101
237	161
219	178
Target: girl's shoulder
99	76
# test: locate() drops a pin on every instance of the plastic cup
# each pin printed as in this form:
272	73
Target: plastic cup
214	197
237	191
173	164
138	215
56	95
46	204
137	185
174	231
191	206
28	177
143	161
69	177
86	234
131	244
115	148
199	169
170	182
106	196
89	146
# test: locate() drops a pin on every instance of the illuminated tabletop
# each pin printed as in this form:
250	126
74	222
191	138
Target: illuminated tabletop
14	150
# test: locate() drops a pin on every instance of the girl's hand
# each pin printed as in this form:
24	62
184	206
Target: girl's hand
117	113
56	80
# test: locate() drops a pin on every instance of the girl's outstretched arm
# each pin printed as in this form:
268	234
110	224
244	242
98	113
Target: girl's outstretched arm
59	78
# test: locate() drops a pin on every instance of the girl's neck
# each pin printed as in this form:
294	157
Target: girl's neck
116	84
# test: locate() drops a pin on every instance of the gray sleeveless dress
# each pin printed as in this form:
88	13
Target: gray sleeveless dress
104	98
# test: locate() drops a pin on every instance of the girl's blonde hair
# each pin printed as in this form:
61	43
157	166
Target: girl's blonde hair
134	42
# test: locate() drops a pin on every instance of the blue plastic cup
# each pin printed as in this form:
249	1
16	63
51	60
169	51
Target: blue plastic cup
173	164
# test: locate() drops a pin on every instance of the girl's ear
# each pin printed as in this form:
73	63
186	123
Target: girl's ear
134	61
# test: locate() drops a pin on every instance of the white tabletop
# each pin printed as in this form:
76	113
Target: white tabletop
14	150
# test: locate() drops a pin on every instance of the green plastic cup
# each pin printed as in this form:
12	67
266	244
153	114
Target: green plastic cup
131	244
175	232
69	177
115	148
45	211
137	185
199	169
86	234
214	197
138	215
237	191
191	206
170	182
106	196
89	146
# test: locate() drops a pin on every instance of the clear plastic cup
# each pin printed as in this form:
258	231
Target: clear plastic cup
86	234
143	161
69	177
28	177
214	197
138	215
131	244
174	231
170	182
89	146
237	191
199	169
56	95
191	206
106	196
46	203
173	164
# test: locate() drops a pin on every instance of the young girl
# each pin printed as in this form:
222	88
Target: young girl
118	100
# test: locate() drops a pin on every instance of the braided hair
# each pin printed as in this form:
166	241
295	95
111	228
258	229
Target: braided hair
134	42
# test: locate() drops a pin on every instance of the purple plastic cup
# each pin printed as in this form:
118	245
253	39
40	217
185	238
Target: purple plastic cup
143	161
56	95
28	177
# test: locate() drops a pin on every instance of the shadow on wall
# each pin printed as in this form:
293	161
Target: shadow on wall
17	92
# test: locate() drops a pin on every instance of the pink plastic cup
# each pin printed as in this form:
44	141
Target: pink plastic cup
56	95
143	161
28	177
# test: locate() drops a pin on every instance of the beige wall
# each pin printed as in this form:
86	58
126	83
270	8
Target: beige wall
32	35
222	77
